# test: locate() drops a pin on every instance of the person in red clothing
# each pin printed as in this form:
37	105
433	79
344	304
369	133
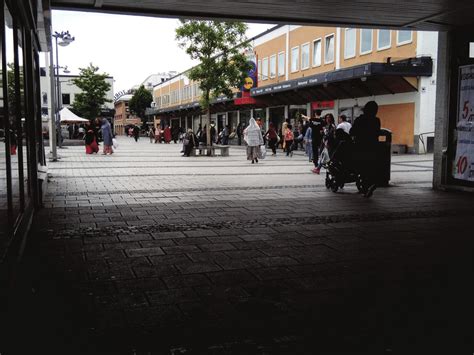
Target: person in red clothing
272	137
289	138
91	143
167	134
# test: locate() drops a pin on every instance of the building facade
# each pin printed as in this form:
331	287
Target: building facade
298	69
68	92
123	117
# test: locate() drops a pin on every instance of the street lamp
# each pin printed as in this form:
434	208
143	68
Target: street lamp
65	39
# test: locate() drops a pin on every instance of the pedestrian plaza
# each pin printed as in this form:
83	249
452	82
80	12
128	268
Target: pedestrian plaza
145	251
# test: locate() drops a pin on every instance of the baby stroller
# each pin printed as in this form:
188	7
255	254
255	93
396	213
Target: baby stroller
340	169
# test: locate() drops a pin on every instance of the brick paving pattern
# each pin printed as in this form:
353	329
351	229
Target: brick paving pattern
146	252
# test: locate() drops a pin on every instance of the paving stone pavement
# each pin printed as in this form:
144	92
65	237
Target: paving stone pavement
146	252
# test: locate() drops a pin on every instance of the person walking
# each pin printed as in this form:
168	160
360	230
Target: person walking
225	135
289	138
239	134
70	129
317	128
343	124
253	138
327	145
107	136
151	134
91	142
366	131
167	134
136	133
308	143
190	141
272	137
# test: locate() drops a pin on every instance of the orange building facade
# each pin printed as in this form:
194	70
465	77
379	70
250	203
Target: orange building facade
123	117
301	68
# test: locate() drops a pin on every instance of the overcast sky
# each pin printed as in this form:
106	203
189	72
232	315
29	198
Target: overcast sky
129	48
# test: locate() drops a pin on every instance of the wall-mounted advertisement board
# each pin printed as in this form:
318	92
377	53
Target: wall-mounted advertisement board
463	165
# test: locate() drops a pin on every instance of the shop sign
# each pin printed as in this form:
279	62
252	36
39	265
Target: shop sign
321	105
463	165
250	81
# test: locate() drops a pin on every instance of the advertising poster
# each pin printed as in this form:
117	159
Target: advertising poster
463	167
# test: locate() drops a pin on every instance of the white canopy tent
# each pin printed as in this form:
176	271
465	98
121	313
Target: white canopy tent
67	116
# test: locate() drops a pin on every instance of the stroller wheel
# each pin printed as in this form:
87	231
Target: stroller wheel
334	186
359	184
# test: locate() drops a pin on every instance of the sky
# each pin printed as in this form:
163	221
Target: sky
129	48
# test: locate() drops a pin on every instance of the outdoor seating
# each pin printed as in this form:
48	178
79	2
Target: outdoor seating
211	150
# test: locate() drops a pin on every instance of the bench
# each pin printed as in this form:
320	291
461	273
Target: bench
211	150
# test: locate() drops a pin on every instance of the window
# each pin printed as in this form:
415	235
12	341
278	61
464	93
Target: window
329	49
317	53
383	40
259	69
265	68
66	99
295	58
365	41
281	63
350	43
273	66
305	56
404	37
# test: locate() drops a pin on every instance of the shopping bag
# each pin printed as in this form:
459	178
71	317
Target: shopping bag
263	152
114	143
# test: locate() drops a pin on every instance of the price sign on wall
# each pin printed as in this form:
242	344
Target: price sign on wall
463	167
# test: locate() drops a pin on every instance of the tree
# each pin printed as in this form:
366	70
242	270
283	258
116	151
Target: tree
94	90
139	102
219	47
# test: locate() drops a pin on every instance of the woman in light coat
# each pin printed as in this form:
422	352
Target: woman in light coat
106	129
254	139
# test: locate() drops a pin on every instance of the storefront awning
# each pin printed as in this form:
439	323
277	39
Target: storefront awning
358	81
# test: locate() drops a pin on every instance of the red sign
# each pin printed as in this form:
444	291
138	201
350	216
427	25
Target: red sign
321	105
245	101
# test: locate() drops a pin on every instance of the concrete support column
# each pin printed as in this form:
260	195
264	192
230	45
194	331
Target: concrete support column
267	119
287	112
442	112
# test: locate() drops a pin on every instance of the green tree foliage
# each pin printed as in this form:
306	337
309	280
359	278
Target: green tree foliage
94	90
219	46
140	101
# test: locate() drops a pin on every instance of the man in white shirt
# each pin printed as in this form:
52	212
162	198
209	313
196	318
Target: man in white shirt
346	126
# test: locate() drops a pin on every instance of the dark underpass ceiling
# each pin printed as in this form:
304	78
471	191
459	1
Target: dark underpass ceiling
419	14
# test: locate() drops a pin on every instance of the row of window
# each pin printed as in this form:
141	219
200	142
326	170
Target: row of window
384	40
268	67
186	93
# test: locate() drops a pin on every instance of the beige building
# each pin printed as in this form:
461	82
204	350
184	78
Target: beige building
123	117
301	68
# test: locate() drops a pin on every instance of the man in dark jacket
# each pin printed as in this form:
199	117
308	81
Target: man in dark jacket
317	129
136	133
366	130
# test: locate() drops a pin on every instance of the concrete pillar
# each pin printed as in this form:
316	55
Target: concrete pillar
287	112
442	112
267	117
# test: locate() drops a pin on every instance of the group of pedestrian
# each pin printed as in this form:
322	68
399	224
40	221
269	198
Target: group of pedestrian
162	135
322	136
92	136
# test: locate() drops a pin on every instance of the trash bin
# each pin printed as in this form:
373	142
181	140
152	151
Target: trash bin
384	157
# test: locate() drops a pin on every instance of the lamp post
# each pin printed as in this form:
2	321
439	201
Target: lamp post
65	40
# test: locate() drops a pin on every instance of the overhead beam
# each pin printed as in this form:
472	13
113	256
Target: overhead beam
439	14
